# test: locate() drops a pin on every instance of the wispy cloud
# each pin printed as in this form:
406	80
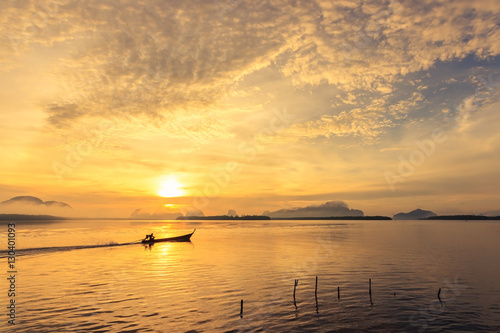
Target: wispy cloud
153	58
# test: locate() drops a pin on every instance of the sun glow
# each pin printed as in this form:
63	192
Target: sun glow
170	187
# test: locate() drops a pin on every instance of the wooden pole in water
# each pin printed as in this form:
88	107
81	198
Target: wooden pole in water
439	294
338	292
316	295
294	287
316	289
370	290
241	311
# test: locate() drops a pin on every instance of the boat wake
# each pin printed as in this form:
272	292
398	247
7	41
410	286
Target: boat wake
40	250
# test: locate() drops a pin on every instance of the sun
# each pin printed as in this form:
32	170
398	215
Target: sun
170	188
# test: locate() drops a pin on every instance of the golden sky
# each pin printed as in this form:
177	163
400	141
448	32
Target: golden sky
168	106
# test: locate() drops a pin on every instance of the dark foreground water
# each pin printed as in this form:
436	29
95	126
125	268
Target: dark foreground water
76	277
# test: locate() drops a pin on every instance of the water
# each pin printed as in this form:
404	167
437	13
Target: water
76	277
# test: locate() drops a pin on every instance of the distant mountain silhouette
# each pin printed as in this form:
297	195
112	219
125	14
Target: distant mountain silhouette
34	201
414	215
328	209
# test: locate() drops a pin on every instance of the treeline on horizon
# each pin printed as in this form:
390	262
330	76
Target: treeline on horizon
335	218
264	217
225	217
461	217
27	217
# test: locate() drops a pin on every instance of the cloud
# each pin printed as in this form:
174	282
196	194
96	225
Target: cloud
29	200
165	212
365	124
392	38
485	94
392	149
151	59
167	77
367	48
157	215
34	205
331	208
401	109
493	213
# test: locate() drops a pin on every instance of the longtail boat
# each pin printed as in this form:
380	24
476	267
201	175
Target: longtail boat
183	238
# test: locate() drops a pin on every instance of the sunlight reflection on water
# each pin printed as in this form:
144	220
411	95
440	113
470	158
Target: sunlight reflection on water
177	287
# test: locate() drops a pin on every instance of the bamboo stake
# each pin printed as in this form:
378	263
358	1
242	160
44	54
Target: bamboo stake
370	291
241	311
316	295
295	287
338	292
316	288
439	297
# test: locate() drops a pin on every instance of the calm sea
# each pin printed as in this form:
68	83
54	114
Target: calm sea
77	276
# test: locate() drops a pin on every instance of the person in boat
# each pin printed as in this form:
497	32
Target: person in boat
150	237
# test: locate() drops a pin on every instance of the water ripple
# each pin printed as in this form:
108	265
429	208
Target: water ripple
198	287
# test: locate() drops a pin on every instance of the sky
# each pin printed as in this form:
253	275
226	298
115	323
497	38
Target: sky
182	106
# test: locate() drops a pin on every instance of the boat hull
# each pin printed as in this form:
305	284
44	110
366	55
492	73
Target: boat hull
183	238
